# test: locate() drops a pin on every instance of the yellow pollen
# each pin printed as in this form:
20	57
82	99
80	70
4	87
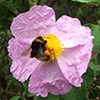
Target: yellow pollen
53	46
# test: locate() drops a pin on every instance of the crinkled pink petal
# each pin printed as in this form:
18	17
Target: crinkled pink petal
22	68
39	20
48	78
71	32
18	48
74	62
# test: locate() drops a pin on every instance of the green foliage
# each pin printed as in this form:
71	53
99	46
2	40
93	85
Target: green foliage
88	11
77	93
15	98
88	77
21	5
4	10
94	67
96	33
88	1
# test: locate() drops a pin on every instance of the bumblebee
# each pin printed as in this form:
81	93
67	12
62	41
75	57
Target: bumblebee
39	49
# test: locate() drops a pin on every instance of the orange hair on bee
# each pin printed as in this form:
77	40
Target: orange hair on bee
47	53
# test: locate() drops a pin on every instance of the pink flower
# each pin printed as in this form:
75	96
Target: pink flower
66	44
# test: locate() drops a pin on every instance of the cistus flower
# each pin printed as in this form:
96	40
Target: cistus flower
53	54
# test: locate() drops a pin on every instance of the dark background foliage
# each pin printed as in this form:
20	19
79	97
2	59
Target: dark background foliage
88	11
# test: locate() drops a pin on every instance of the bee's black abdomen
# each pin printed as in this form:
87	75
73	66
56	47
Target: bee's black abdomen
34	45
38	48
32	54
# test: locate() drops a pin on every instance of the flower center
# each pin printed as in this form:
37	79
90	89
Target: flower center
53	47
46	48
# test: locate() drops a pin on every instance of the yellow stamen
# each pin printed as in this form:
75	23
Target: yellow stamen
53	46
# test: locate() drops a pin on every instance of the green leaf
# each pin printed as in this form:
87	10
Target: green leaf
15	98
77	93
30	95
96	33
88	1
